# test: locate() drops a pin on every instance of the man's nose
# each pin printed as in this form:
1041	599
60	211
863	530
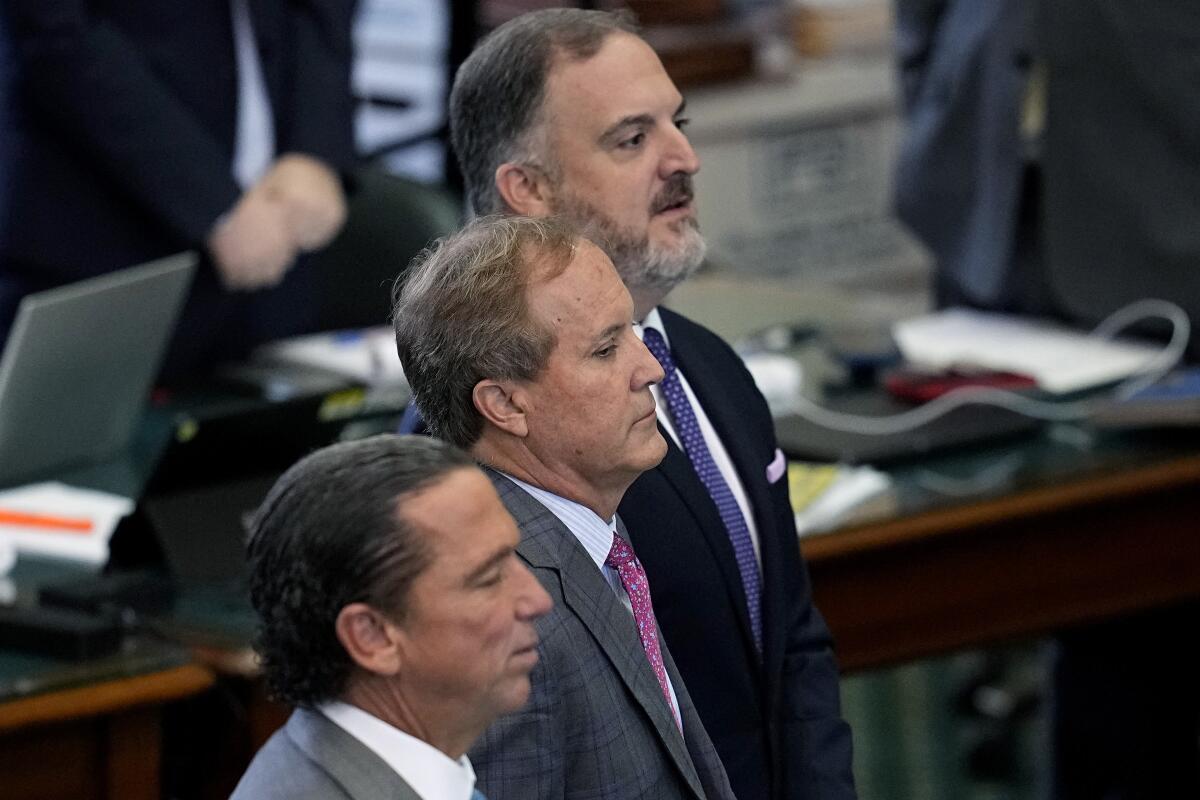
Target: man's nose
648	370
534	602
679	156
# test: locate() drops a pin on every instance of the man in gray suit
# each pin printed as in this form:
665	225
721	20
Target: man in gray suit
569	112
517	338
395	617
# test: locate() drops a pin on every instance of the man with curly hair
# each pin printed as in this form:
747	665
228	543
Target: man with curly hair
394	616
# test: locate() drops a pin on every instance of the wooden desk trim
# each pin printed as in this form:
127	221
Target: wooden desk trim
1011	567
1010	508
105	698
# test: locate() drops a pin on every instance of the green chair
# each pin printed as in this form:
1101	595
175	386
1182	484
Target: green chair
390	220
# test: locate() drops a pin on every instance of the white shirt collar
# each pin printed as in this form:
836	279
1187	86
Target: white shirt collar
589	528
596	536
653	320
432	774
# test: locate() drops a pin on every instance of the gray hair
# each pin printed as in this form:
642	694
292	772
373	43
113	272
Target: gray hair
332	532
497	96
461	315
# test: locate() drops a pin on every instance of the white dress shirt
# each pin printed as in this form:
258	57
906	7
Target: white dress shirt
254	146
719	454
596	536
432	774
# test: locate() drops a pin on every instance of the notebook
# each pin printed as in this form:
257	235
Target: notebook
79	364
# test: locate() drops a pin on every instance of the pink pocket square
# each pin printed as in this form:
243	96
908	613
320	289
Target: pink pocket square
777	467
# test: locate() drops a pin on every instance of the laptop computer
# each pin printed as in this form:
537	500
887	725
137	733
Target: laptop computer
79	364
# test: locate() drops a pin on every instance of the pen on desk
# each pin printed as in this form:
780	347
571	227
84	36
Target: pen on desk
25	519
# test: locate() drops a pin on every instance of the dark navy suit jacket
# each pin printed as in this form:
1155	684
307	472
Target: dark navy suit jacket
120	127
775	720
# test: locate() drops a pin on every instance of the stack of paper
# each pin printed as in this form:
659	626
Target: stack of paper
8	556
63	521
827	496
367	356
1059	359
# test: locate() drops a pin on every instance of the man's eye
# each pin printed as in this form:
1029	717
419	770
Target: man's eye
682	122
490	579
605	352
633	141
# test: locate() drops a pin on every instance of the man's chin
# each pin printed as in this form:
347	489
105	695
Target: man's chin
517	695
655	451
665	269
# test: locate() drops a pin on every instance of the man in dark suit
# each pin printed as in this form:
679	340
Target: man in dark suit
568	112
138	128
399	624
517	338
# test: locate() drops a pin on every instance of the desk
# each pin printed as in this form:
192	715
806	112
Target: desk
94	730
87	729
100	740
1087	526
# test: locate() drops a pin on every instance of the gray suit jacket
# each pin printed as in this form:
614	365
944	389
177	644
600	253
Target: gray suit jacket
596	724
312	758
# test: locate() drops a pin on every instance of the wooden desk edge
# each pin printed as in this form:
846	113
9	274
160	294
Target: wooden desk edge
1108	486
102	698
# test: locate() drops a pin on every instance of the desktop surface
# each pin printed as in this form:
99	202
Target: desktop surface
1011	541
994	504
25	674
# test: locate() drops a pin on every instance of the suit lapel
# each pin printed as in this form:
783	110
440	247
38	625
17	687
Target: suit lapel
548	544
361	773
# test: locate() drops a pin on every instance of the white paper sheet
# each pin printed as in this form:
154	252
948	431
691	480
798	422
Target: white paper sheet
367	355
54	499
1061	360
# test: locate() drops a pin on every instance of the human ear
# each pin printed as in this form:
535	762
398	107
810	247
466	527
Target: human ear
501	406
369	638
524	189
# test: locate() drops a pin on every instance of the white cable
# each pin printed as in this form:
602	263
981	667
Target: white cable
1155	368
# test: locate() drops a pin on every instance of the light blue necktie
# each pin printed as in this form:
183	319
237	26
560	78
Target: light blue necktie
477	795
709	474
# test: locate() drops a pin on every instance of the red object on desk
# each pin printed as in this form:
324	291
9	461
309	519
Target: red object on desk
916	386
25	519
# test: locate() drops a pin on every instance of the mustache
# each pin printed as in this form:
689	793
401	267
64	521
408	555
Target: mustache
678	189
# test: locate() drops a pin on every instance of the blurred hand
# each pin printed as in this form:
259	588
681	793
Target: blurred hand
311	197
253	246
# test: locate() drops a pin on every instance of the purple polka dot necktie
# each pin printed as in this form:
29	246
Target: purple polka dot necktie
688	428
633	578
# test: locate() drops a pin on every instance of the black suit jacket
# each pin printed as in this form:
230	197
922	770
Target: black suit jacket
121	123
775	720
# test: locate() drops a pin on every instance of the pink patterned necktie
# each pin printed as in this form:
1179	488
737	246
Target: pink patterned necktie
633	578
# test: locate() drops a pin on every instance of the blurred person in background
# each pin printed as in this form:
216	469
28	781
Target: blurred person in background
1051	162
134	129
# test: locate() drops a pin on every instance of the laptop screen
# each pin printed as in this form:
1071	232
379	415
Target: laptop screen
79	364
